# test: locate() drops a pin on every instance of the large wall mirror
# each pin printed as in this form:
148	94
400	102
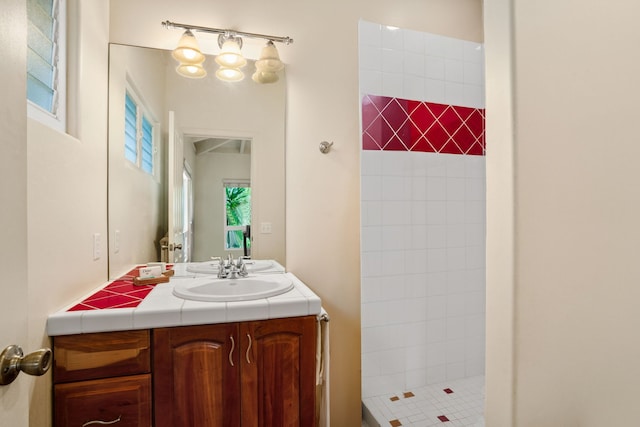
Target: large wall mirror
194	147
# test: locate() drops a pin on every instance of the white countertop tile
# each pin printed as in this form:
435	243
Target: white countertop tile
162	309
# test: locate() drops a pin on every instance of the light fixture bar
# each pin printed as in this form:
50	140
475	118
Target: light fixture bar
233	33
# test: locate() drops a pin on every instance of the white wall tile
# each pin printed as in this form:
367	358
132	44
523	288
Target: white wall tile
435	91
414	65
413	87
392	61
434	68
473	73
473	52
417	286
371	264
454	48
418	237
396	212
392	38
436	236
472	96
419	212
414	41
415	261
436	307
454	71
436	284
396	188
436	259
435	45
392	85
369	34
371	82
396	163
423	214
371	162
455	188
456	236
393	263
370	58
437	332
456	213
437	212
371	187
371	213
371	239
454	93
436	188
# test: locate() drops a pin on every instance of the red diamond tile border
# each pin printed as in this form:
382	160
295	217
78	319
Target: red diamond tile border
448	390
443	418
121	293
395	124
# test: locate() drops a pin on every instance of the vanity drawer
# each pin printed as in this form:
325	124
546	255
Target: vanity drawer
124	402
100	355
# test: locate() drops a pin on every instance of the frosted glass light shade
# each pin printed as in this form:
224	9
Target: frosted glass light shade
269	59
193	71
263	77
230	56
229	74
188	51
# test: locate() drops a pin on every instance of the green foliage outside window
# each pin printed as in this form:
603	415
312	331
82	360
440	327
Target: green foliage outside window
238	207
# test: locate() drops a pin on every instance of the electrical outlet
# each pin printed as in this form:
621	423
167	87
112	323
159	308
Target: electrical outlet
265	227
96	246
116	242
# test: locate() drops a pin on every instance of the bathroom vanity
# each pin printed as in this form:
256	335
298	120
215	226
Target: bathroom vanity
187	363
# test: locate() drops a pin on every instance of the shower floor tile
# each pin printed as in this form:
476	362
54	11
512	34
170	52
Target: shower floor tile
458	403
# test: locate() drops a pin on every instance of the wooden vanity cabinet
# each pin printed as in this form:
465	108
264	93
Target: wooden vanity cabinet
102	378
249	374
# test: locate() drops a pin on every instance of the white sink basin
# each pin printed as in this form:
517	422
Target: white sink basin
211	267
242	289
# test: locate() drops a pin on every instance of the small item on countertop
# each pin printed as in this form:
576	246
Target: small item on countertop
152	275
163	265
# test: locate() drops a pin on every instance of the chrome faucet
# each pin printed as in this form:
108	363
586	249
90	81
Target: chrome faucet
232	269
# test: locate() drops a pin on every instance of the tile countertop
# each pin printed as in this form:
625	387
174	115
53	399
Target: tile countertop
160	308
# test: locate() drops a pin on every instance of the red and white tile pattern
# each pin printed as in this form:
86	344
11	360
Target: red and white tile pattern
456	403
121	293
394	124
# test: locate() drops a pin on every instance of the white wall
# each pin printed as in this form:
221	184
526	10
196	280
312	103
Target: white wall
322	216
137	206
14	409
564	119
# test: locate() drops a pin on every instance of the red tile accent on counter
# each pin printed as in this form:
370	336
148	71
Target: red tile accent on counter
395	124
121	293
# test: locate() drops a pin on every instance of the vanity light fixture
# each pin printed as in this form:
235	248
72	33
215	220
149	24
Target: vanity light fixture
230	58
268	65
189	56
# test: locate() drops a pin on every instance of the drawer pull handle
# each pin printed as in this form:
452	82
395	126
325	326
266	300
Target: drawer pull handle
249	349
233	345
103	423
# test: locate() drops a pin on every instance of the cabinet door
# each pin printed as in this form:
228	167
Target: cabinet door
278	372
124	401
196	376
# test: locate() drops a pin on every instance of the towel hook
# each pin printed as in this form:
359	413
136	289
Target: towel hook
325	147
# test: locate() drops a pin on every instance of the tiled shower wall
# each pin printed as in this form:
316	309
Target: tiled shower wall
423	208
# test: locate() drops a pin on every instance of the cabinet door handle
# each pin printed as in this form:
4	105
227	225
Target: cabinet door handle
233	346
104	423
249	349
